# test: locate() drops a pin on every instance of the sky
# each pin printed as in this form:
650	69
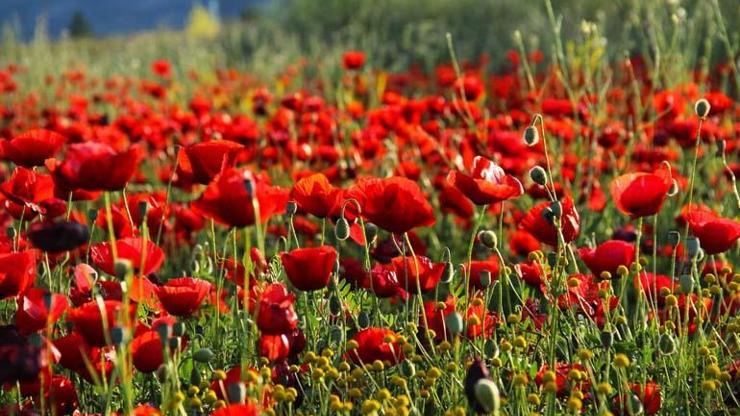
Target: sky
110	17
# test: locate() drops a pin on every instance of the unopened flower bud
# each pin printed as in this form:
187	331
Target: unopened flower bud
290	208
487	395
454	323
122	268
531	137
674	237
538	175
341	229
488	238
702	107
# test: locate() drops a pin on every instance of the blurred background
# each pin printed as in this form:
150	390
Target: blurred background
266	35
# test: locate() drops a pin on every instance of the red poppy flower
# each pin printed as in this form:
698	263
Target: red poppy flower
452	200
531	272
17	273
486	320
608	256
649	395
237	410
715	234
394	204
31	148
435	317
543	230
487	183
182	296
201	162
372	345
653	284
315	195
94	166
478	267
383	281
144	260
353	60
522	243
641	194
25	191
276	314
88	320
421	269
146	351
227	201
38	308
310	268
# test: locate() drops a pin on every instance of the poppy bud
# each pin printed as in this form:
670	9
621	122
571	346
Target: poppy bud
236	392
195	377
203	355
607	339
143	208
164	332
341	229
702	107
178	329
557	209
667	344
485	278
408	369
454	323
174	343
10	232
673	190
371	230
487	395
531	137
674	237
92	214
117	335
335	306
363	319
448	274
687	283
488	238
693	247
634	405
721	147
538	175
290	208
122	268
476	372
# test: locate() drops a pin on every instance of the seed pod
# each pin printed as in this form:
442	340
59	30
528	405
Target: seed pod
290	208
667	344
485	278
454	323
673	190
448	274
408	369
488	238
702	108
236	392
203	355
487	395
531	137
341	229
693	247
607	339
538	175
674	237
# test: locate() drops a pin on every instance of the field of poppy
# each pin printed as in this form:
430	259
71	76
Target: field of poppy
553	234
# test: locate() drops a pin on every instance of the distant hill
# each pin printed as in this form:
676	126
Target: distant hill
110	17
